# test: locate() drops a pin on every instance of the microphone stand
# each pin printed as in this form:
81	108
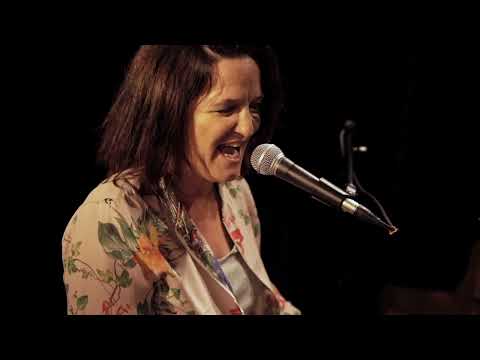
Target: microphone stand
345	276
347	282
348	148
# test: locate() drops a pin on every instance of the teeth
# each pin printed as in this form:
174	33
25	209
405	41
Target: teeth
232	144
230	150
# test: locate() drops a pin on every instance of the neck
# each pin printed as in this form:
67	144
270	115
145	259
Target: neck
196	194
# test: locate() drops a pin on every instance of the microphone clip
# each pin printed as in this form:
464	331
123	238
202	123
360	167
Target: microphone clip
351	189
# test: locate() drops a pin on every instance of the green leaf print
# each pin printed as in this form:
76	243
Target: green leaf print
82	302
124	280
110	237
105	276
71	267
118	255
75	248
246	218
176	293
256	229
143	308
128	234
109	275
162	286
112	242
233	192
143	222
162	228
101	274
131	263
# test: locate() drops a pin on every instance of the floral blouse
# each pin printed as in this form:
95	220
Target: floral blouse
124	254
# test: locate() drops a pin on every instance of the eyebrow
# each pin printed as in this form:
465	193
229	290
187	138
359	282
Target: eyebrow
228	102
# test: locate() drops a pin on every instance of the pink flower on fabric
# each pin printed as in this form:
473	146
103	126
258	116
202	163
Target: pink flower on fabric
123	310
106	307
238	238
236	311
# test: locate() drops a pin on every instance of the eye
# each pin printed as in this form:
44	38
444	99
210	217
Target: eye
256	107
256	110
229	110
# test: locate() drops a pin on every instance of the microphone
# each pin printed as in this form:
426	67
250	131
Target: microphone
268	159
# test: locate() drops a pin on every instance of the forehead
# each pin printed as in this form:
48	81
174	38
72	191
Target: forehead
236	79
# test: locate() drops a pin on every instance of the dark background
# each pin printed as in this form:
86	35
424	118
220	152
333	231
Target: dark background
415	110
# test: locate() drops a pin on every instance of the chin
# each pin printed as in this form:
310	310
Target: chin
229	177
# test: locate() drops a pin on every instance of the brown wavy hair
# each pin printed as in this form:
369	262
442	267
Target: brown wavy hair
145	132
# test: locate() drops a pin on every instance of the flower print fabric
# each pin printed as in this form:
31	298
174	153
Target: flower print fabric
124	256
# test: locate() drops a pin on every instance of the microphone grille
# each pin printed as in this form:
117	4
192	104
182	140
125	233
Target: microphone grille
263	157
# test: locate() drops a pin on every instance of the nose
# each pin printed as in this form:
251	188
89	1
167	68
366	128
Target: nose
245	125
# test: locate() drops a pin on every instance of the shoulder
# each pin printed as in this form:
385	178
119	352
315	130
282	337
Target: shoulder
110	200
118	191
115	220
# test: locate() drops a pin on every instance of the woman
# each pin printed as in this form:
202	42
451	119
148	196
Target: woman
174	228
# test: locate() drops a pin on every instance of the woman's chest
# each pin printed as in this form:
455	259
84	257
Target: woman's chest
215	234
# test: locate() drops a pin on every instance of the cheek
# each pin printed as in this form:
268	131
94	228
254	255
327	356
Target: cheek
206	135
211	133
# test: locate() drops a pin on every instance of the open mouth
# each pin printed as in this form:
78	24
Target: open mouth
230	151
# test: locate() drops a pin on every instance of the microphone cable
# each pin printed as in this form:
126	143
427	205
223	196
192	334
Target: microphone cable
357	182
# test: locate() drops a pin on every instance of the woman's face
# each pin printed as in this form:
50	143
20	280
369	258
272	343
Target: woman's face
224	121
